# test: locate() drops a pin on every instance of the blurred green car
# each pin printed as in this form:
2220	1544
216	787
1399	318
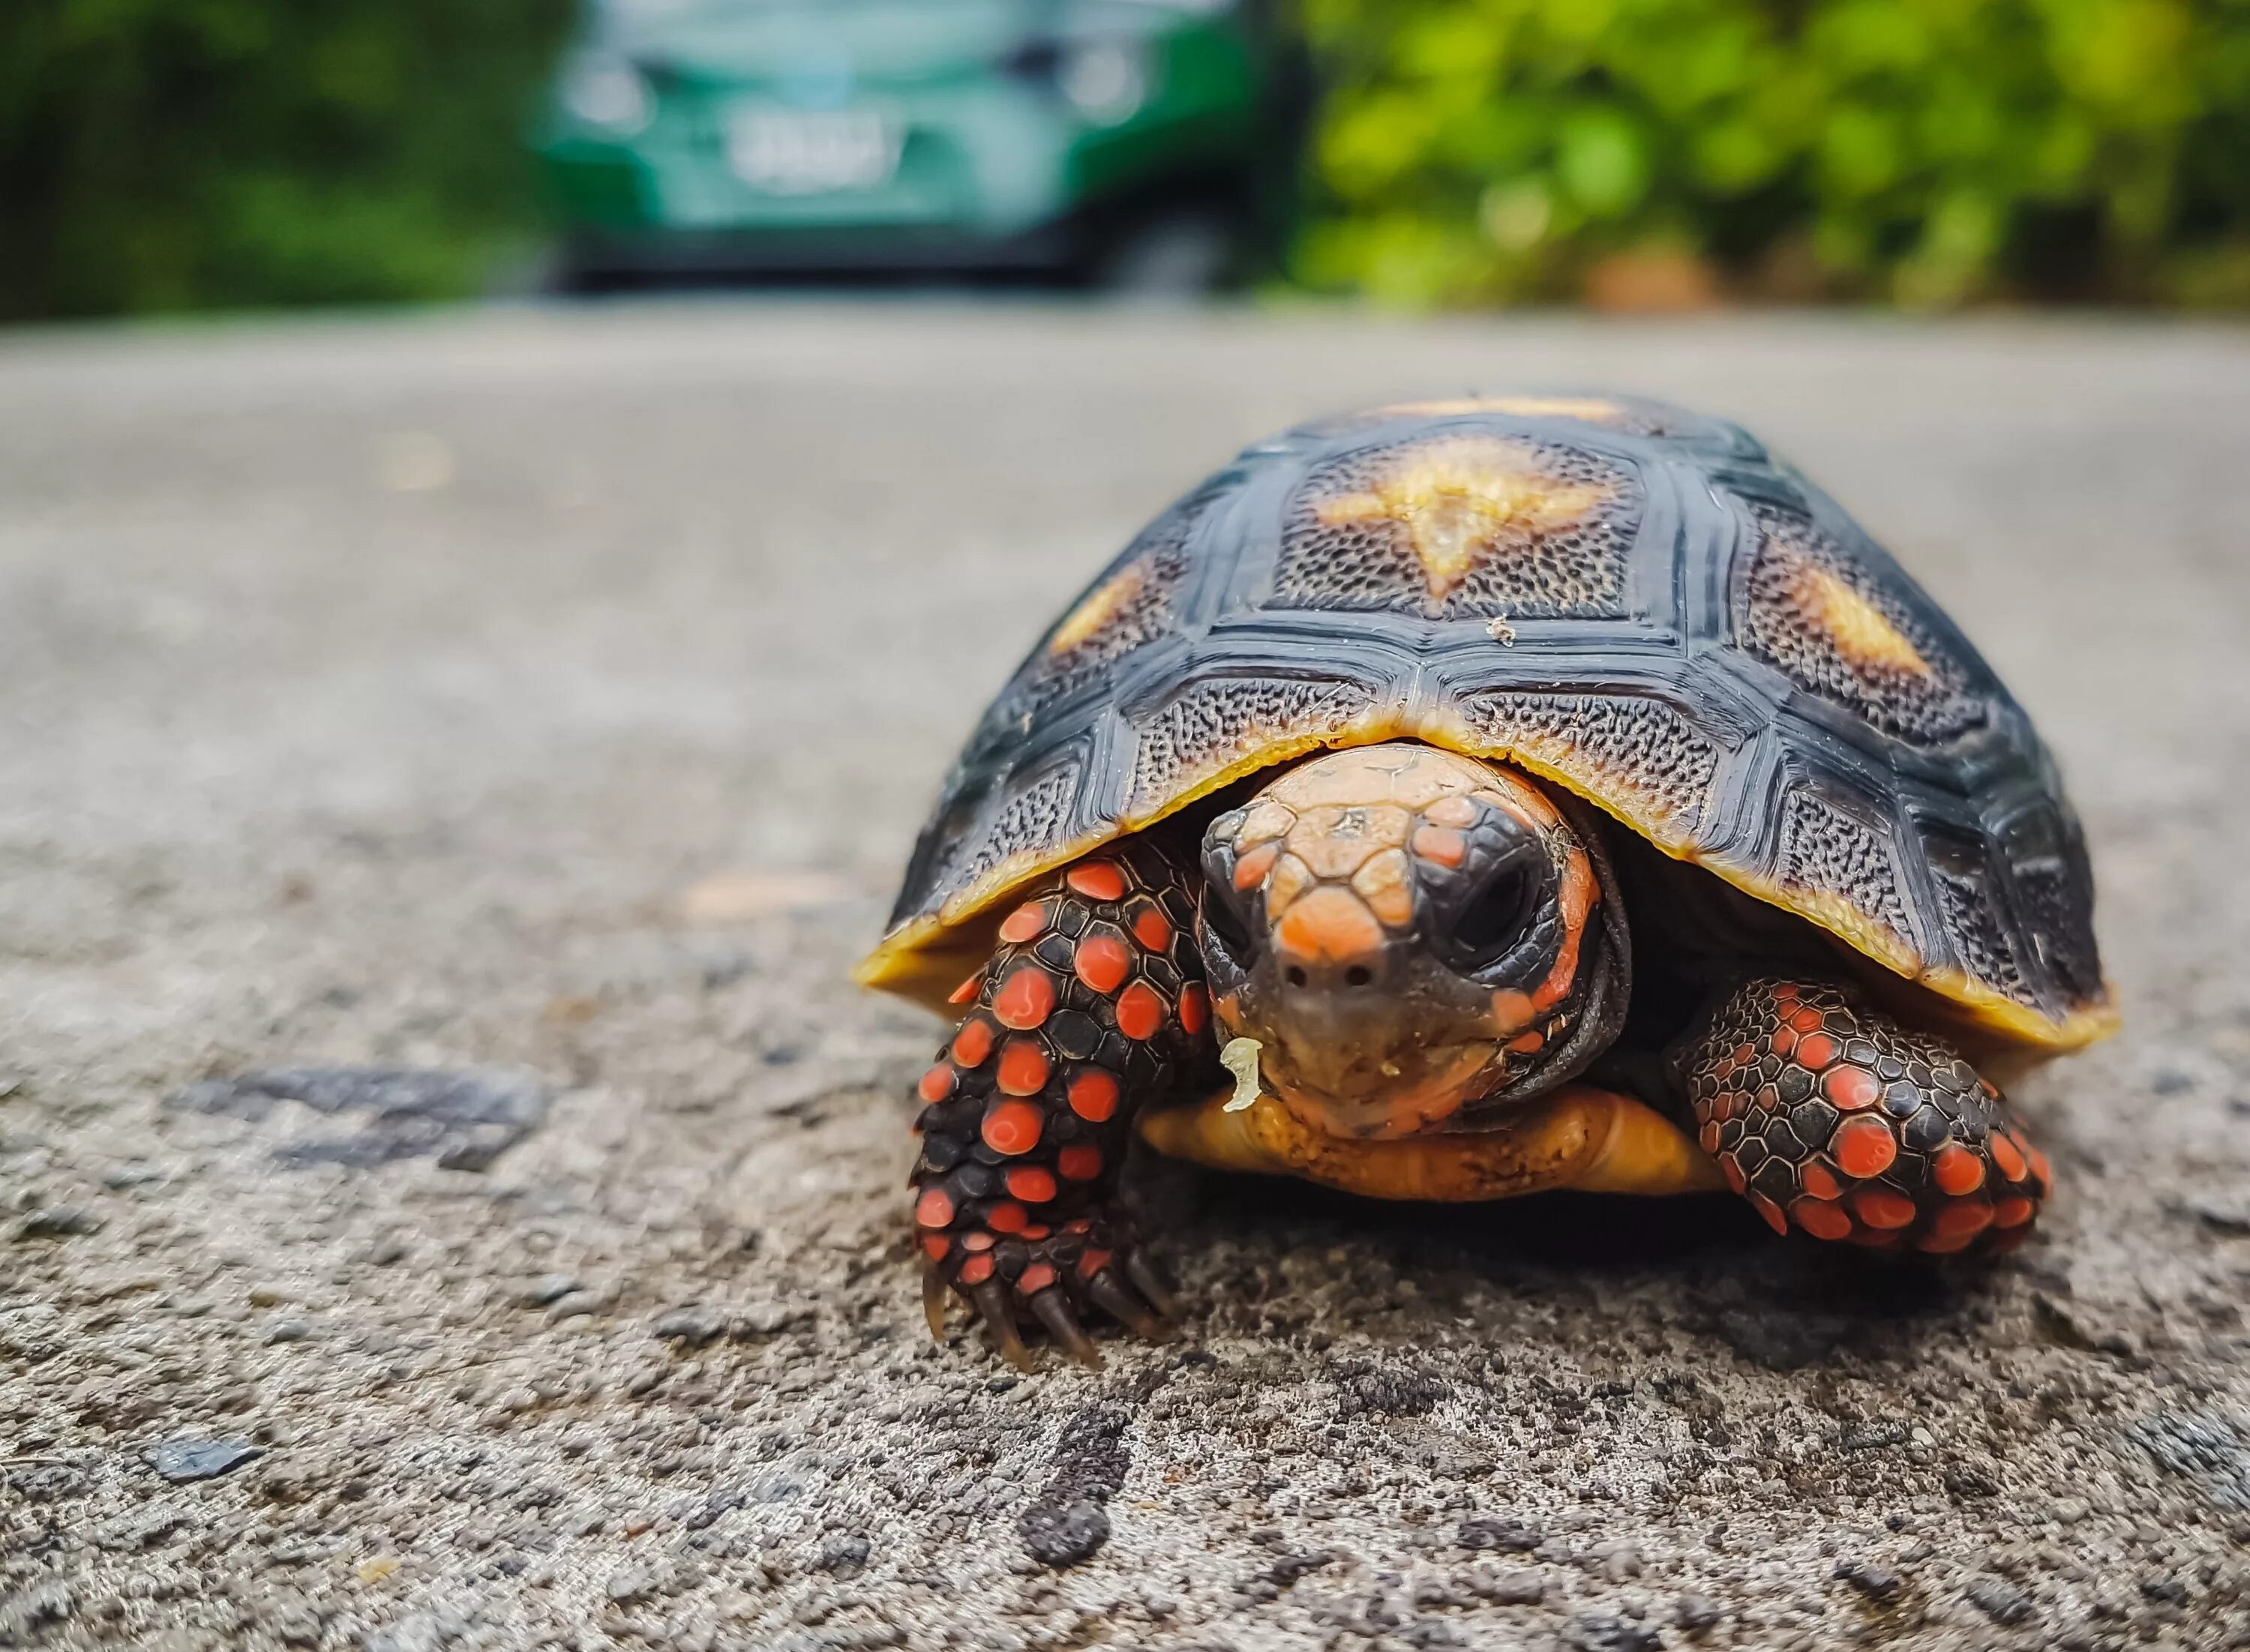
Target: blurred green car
1140	141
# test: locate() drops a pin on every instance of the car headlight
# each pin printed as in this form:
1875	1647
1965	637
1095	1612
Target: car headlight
1106	80
607	92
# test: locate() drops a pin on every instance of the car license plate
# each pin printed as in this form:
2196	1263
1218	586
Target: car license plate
810	151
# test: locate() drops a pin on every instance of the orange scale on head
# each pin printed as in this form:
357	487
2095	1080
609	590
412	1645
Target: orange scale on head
1456	811
1785	1041
1027	922
1820	1219
2042	1172
1815	1050
1251	869
1771	1211
966	993
1708	1138
1806	1020
1440	845
2006	1156
976	1270
1733	1173
1819	1182
1864	1147
1097	880
1152	930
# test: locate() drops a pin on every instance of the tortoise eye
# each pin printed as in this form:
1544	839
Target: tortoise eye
1224	925
1495	917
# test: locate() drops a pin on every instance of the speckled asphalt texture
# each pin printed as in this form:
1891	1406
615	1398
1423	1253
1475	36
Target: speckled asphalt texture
451	1198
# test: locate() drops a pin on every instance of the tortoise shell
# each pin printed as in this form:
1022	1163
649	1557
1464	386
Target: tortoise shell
1634	602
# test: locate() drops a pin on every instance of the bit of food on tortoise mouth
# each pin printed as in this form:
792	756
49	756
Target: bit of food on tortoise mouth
1240	1059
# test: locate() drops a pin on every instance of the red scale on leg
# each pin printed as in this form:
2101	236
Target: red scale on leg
1140	1012
1194	1008
1102	961
1012	1127
1864	1147
2007	1156
972	1043
937	1083
1028	923
1024	1067
1821	1219
1097	880
1034	1184
1093	1095
1025	999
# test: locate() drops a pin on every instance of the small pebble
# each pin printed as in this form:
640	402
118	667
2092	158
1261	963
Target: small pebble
58	1221
184	1459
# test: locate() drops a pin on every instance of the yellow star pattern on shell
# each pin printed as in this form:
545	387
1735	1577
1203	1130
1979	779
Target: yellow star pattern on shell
1862	633
1101	605
1589	409
1461	498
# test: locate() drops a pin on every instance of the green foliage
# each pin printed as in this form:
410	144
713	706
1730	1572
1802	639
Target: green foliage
172	154
1929	151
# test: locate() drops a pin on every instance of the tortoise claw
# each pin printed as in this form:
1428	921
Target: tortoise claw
934	1293
1145	1281
1054	1309
1106	1293
991	1301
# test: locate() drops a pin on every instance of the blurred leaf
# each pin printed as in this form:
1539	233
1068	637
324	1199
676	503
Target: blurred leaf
1938	151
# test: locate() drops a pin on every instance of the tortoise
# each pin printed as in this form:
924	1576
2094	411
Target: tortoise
1471	797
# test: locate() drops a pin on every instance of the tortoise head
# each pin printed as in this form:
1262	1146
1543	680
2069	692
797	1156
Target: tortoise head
1412	936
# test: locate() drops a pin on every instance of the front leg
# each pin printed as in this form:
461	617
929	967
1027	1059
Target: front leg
1832	1117
1092	1004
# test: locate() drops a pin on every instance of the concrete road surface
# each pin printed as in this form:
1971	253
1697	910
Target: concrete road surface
450	1197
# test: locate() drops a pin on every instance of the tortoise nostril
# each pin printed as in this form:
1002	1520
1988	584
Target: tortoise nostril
1358	975
1296	976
